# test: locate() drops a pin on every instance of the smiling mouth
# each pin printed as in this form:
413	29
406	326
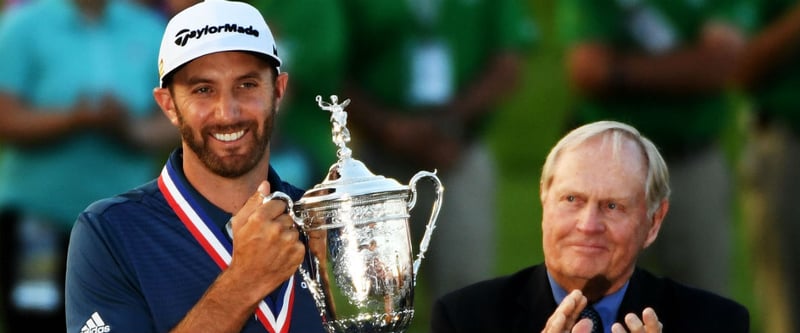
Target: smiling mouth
588	248
228	137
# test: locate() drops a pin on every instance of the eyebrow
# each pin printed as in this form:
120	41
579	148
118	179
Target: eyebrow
250	75
570	190
197	80
201	79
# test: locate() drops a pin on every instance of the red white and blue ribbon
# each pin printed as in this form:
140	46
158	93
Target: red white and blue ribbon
218	247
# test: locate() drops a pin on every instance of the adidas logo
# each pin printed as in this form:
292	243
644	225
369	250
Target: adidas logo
95	324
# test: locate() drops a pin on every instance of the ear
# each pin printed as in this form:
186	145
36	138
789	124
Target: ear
164	100
542	193
280	88
544	187
658	217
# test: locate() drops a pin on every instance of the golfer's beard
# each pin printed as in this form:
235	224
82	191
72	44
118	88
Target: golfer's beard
230	167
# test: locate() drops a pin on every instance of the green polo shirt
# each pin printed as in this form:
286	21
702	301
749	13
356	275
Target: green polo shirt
675	124
385	35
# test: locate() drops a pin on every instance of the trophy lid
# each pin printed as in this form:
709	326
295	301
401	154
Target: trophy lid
350	178
347	177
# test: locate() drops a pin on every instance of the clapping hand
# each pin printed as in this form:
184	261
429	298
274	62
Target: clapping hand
565	317
635	325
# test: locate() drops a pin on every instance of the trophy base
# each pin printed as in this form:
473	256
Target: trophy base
393	322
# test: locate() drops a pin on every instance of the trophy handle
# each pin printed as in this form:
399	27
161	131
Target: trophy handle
437	206
289	206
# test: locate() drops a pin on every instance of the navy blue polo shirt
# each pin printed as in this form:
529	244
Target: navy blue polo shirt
133	266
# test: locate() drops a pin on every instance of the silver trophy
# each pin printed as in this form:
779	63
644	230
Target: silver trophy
357	225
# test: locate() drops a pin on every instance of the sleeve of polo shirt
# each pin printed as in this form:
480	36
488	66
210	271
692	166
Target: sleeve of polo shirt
99	293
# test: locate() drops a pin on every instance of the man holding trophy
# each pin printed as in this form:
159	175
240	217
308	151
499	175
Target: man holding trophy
205	248
157	258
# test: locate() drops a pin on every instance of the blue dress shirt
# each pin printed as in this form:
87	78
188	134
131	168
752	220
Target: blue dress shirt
607	307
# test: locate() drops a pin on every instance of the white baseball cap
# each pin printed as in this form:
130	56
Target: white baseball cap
214	26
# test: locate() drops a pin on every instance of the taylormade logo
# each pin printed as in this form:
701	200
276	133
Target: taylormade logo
183	36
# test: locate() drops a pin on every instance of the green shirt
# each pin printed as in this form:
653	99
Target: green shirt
386	34
673	123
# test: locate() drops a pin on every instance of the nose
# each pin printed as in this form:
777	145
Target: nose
591	220
227	107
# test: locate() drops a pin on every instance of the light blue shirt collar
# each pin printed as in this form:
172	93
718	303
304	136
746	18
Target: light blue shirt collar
607	307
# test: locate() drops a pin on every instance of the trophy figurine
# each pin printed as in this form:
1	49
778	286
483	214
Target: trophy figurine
361	275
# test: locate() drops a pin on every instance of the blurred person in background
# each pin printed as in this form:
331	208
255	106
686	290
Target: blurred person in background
425	77
311	38
77	123
664	66
769	71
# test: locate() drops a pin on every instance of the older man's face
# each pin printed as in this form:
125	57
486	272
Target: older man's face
595	220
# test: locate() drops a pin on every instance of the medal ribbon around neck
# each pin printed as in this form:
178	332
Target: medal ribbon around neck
217	246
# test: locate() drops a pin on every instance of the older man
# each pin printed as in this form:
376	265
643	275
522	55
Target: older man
604	193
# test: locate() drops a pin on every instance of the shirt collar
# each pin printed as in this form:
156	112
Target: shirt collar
607	307
219	216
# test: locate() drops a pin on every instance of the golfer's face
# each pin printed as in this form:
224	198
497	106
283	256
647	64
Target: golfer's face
225	104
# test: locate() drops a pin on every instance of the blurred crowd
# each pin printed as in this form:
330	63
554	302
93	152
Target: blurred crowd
426	77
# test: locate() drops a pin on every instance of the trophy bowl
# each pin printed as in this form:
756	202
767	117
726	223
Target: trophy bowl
356	224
